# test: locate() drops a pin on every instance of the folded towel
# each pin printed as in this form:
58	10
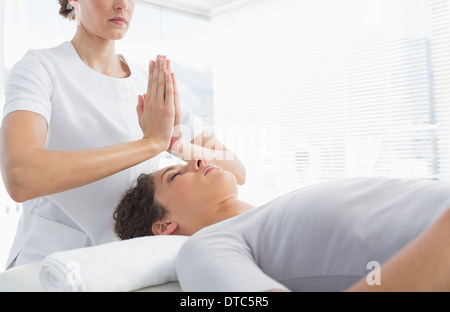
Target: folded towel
115	267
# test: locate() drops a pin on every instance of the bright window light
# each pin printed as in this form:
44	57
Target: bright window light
310	91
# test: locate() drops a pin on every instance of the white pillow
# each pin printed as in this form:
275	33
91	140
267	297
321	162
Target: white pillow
119	266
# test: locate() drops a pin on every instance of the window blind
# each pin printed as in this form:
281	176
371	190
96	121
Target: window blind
310	91
440	16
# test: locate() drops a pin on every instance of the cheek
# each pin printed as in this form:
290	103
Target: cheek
92	12
100	6
176	197
224	185
187	194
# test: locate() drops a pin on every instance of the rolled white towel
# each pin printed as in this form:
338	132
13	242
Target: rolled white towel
114	267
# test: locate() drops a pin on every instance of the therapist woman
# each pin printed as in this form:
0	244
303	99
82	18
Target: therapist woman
76	132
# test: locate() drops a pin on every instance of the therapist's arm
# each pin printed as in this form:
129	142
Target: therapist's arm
205	145
423	265
30	170
213	151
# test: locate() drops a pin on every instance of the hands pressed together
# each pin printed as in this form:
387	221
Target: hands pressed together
159	110
160	118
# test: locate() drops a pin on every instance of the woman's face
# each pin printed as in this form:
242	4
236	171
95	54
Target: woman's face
108	19
188	191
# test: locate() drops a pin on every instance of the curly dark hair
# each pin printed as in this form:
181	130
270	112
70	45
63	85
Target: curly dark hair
66	9
138	210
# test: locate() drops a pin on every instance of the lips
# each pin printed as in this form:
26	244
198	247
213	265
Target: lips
209	168
119	20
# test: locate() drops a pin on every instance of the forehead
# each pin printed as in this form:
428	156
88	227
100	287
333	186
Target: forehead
157	174
157	180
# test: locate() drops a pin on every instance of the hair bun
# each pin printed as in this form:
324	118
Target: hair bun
66	9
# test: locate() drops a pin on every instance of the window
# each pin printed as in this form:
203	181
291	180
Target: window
314	90
31	24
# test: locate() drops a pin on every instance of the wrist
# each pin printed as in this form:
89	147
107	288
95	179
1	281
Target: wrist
151	146
179	148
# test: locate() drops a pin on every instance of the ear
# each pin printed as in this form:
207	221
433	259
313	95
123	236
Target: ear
72	4
164	228
73	15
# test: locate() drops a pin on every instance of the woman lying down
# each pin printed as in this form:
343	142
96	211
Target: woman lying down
320	238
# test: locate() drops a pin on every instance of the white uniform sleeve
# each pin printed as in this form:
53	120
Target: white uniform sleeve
221	262
29	86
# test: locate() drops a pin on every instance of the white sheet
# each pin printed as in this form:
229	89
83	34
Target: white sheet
23	278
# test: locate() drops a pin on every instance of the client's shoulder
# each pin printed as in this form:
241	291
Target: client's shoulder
213	237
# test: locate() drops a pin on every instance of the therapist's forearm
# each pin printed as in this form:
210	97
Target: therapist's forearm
223	158
42	172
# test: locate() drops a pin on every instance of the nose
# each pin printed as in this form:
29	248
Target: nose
197	163
121	5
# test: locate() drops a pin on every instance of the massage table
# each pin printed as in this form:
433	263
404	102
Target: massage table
25	278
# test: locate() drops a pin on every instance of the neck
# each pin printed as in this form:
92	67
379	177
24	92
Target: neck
227	209
99	54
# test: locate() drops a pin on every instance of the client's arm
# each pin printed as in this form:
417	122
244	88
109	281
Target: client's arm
221	262
423	265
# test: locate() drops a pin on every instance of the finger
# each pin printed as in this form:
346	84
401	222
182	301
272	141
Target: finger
162	81
169	66
177	104
155	78
150	76
175	88
169	96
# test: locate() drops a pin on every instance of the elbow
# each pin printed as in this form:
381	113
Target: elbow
15	186
241	177
18	196
240	181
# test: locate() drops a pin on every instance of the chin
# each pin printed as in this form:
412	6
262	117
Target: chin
228	181
111	33
117	36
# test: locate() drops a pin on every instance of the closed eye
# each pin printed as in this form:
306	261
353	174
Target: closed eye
174	175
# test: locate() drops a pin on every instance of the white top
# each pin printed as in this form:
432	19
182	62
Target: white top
320	238
84	110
